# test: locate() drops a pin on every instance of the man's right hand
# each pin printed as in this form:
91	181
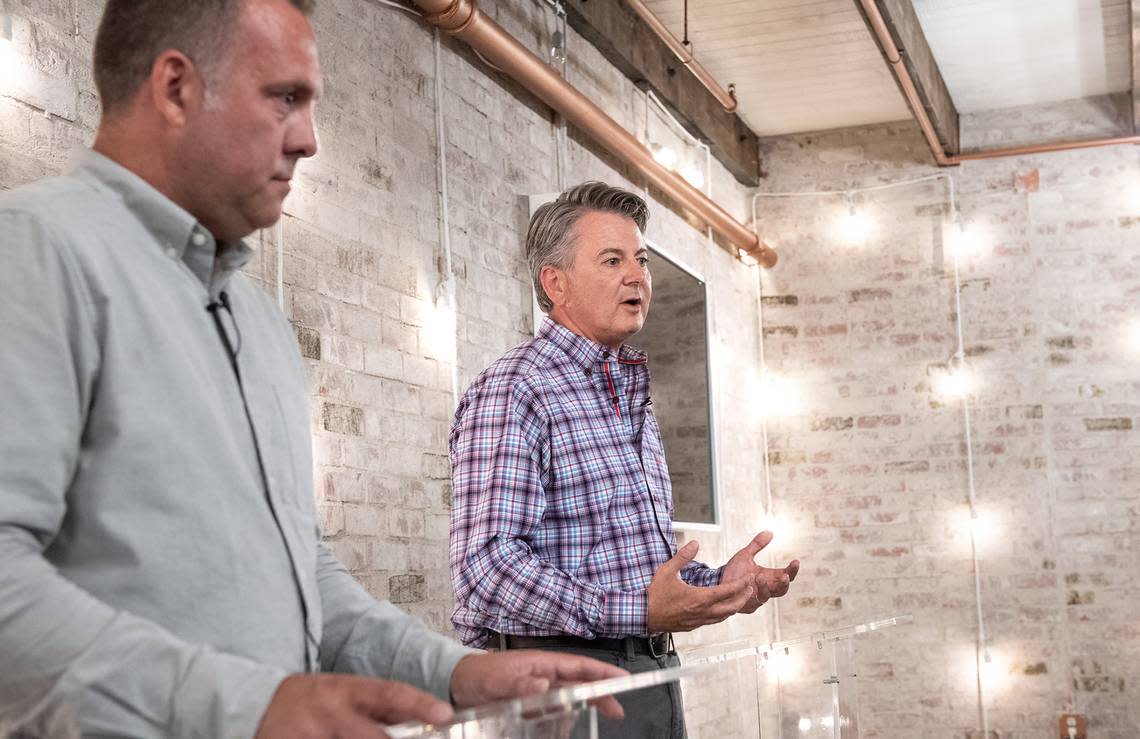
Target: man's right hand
676	606
332	706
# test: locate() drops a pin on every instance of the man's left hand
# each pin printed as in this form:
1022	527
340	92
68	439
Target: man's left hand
768	582
492	676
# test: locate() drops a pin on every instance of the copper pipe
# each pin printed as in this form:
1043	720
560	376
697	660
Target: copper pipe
727	98
1041	148
910	92
463	19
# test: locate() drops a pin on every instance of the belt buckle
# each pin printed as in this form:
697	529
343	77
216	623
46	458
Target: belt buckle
666	639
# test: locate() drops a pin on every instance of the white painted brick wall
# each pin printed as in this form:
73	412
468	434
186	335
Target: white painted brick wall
361	254
871	473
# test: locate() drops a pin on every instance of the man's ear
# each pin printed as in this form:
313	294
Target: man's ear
554	284
176	86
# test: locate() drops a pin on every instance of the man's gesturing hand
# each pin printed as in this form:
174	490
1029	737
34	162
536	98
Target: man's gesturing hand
677	606
482	678
345	707
767	582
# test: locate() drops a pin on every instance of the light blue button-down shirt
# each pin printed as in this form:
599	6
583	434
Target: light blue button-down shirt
153	578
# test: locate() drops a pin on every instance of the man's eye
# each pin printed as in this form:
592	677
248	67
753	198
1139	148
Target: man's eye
612	261
643	261
289	97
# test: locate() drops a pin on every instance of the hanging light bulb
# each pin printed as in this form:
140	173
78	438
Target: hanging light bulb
993	673
805	725
964	242
775	396
746	258
958	381
1131	336
854	227
692	174
985	528
437	338
7	49
557	49
664	155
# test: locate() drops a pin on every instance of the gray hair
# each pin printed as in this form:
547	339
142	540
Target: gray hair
133	33
550	238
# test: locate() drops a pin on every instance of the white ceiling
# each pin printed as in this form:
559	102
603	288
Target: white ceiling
808	65
1002	53
798	65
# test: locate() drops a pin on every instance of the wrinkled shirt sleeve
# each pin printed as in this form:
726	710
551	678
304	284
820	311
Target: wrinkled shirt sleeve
369	637
499	450
110	671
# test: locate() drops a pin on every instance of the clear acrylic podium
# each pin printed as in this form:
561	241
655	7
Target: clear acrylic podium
806	687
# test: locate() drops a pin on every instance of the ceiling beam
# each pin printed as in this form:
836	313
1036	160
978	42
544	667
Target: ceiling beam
631	46
902	23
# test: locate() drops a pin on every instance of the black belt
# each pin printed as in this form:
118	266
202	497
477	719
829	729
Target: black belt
655	645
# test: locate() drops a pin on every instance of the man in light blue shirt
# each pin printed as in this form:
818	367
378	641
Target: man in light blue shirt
161	572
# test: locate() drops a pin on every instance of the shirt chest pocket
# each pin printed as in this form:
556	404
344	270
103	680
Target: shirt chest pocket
281	425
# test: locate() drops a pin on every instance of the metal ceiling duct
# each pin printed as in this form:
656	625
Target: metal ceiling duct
464	20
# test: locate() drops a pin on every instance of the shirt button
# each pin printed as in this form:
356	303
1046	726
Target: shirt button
171	252
199	239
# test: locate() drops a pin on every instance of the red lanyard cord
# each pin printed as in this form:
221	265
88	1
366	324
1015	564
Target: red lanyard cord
613	390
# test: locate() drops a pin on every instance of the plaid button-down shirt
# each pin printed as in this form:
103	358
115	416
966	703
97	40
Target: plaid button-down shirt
562	505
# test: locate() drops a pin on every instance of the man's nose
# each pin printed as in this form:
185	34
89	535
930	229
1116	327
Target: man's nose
301	140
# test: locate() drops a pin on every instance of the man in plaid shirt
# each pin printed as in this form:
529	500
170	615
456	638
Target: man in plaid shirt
561	528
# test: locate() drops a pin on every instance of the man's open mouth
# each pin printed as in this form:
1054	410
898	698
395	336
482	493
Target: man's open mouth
636	302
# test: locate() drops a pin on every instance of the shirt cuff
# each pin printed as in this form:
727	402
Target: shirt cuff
623	613
224	696
702	576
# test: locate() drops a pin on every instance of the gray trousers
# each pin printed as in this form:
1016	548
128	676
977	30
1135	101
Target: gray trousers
650	713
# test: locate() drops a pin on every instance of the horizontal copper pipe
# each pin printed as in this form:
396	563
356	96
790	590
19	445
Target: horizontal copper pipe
463	19
1041	148
725	97
910	92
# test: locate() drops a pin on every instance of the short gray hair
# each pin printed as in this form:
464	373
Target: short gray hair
133	33
550	238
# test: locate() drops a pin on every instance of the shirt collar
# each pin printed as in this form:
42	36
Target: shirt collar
583	351
177	233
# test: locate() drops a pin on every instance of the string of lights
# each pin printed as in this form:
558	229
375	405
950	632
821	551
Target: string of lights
958	381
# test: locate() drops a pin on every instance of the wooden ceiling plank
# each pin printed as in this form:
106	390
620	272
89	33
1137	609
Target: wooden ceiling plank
631	46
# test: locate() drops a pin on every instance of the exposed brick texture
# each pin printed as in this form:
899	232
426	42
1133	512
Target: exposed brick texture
877	506
362	255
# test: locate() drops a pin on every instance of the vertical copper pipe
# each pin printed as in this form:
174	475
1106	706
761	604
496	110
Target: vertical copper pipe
463	19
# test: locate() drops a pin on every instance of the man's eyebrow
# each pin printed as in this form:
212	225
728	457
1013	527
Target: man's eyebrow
302	88
619	252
